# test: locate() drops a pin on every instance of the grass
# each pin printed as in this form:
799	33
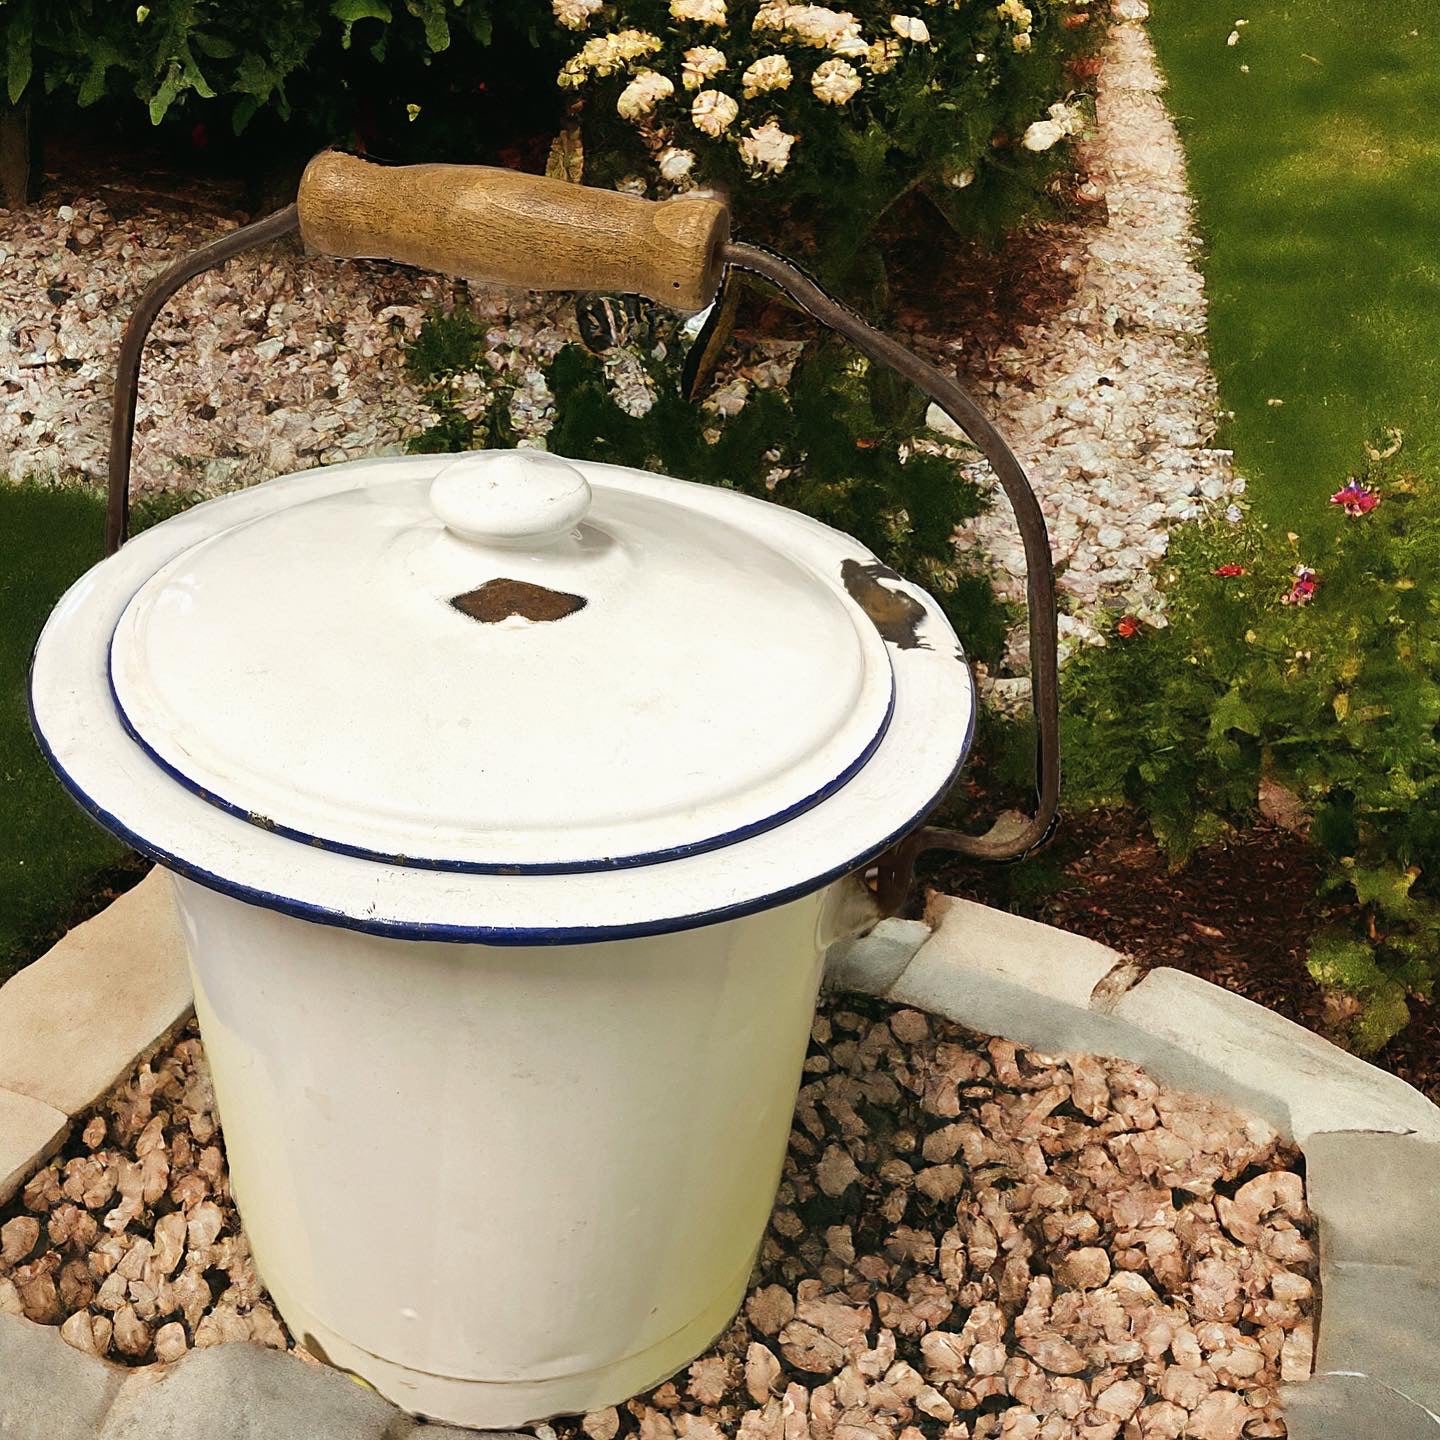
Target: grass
1317	181
54	861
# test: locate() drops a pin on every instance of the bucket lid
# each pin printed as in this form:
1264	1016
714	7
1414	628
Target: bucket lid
397	695
502	669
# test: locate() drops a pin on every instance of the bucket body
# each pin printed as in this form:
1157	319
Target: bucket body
504	1183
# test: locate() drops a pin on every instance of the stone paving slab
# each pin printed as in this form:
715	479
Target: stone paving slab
72	1023
47	1390
1354	1407
1381	1321
29	1129
1348	1170
1322	1087
244	1392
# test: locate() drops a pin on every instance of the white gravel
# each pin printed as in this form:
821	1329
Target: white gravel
1111	404
276	363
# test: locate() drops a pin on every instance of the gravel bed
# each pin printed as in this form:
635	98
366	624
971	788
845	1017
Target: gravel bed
971	1240
276	363
1110	403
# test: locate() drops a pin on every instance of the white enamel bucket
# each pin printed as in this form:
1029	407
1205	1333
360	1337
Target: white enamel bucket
505	1038
502	1183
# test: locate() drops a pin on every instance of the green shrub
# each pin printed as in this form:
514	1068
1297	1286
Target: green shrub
1334	698
169	52
835	443
818	121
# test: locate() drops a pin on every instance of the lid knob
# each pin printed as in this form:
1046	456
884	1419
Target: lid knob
511	498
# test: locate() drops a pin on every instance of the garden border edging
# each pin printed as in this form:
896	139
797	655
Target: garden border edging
1371	1142
114	988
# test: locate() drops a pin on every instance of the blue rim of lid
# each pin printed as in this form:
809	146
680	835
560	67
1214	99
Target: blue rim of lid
477	867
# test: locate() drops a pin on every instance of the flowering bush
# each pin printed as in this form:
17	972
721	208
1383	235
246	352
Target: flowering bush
1309	668
827	115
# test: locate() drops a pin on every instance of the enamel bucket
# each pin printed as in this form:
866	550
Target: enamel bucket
511	805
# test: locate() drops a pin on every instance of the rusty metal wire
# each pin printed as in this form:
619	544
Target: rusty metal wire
127	374
897	867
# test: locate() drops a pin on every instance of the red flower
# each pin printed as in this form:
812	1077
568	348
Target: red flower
1229	572
1302	591
1127	626
1356	498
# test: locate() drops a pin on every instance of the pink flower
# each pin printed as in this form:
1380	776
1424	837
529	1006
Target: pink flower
1302	590
1229	572
1356	498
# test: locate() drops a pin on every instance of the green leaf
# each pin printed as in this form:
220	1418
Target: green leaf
243	113
1343	963
215	47
93	86
431	15
19	57
1386	887
162	99
1385	1015
1233	712
348	12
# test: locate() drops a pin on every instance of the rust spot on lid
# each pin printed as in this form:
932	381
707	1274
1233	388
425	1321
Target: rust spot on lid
895	614
498	600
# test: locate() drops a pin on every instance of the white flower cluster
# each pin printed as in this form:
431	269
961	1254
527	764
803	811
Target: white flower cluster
1021	17
769	72
640	97
700	64
1065	120
835	81
575	14
605	54
817	26
702	12
765	148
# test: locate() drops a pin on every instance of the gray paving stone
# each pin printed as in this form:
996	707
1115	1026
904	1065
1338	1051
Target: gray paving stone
47	1390
1249	1053
1377	1198
1004	975
73	1022
244	1392
1354	1407
29	1129
874	962
1382	1321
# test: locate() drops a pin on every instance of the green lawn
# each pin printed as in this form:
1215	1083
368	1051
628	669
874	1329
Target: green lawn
1317	177
51	854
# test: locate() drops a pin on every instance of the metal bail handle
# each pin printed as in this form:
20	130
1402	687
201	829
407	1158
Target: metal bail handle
526	230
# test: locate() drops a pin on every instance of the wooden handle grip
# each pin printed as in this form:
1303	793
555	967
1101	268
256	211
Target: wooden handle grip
516	229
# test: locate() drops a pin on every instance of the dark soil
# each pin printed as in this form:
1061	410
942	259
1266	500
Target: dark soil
980	295
1240	915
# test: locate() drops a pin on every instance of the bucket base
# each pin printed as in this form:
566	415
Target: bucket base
500	1404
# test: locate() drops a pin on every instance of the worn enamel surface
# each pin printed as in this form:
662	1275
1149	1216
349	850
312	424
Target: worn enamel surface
121	783
556	1164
